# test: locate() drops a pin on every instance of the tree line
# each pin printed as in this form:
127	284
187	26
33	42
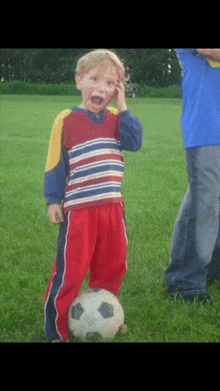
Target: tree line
153	67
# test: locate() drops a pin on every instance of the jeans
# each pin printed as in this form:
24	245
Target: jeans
195	248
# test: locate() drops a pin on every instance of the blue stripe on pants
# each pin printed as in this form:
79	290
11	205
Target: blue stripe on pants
50	305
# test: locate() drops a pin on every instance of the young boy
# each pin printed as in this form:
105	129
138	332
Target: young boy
84	171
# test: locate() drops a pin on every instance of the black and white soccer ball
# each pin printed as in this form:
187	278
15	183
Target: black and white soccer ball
95	315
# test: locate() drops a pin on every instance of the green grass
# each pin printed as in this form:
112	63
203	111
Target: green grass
154	184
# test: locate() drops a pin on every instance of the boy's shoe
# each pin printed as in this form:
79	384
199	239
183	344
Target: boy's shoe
124	328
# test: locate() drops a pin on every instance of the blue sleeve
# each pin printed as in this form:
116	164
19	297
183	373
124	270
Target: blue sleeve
186	52
55	180
130	131
188	58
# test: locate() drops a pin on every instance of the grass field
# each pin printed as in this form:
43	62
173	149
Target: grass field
154	184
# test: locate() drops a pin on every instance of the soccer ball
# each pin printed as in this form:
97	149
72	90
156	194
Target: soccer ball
95	315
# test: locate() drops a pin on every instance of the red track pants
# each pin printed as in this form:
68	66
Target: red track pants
92	238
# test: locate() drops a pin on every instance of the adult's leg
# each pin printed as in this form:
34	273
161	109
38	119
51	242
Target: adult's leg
197	225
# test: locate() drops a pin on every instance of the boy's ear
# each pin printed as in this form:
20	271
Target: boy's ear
78	82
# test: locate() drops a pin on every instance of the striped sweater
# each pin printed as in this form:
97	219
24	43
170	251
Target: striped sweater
85	162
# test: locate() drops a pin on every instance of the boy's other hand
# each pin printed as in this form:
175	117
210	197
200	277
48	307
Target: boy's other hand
55	214
213	54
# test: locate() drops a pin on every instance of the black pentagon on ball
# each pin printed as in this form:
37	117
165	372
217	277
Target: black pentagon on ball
93	336
106	310
77	311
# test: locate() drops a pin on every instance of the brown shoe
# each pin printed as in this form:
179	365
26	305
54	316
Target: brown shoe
124	328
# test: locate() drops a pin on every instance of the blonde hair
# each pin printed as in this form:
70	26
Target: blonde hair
97	58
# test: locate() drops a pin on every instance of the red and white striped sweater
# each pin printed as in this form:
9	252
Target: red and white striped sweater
85	163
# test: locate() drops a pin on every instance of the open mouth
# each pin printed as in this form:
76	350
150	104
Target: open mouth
97	100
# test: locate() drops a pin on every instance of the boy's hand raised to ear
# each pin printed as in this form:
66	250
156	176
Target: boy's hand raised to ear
55	214
120	97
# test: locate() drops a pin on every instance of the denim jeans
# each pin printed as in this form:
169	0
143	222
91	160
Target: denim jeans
195	248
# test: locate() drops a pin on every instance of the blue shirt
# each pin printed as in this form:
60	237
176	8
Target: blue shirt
200	87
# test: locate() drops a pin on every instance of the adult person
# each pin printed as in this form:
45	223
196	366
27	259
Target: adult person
195	248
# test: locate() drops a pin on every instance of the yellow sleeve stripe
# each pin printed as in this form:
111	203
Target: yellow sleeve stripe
55	141
214	63
113	110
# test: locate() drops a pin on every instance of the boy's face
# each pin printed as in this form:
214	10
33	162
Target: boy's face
98	87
